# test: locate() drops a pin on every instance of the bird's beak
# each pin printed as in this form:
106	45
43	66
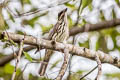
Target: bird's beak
65	10
62	14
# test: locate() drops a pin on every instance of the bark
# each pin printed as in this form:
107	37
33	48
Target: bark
95	27
74	50
73	31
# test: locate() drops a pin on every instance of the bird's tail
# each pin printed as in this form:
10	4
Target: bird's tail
43	67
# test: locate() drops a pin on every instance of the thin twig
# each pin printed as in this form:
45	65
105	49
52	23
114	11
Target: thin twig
64	65
25	68
14	51
88	72
38	49
45	8
10	11
78	13
5	5
99	67
18	59
70	59
15	55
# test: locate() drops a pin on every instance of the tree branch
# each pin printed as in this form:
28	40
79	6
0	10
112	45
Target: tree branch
64	65
74	50
88	73
99	67
58	3
73	31
8	58
17	60
94	27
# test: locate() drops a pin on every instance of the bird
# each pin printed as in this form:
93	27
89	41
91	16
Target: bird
59	33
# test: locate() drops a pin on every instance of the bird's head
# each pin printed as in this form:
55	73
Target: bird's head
62	15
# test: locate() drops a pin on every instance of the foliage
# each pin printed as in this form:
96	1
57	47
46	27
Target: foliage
85	3
31	77
32	21
7	71
55	64
113	75
28	57
75	76
118	2
101	44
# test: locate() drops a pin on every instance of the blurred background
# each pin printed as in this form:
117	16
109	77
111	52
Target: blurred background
37	17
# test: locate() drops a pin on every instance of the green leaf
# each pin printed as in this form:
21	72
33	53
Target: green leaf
70	22
54	64
97	45
12	42
72	6
33	9
3	74
18	12
9	68
90	7
24	2
74	76
107	31
45	29
27	56
4	38
31	22
113	75
118	3
85	3
6	45
83	22
32	77
114	34
80	71
11	17
102	17
113	14
20	32
101	43
85	44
